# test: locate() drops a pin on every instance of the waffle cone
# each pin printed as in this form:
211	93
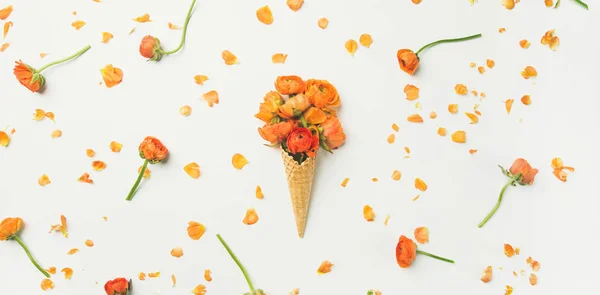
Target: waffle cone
300	179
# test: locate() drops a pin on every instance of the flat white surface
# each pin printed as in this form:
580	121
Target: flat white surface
556	223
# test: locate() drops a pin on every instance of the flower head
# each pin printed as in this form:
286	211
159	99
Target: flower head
287	85
322	94
9	227
302	140
406	252
408	61
268	108
293	107
333	132
28	76
153	150
528	173
150	48
277	132
118	286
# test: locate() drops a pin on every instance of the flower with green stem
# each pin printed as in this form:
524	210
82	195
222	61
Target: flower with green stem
150	47
409	60
583	4
32	78
242	268
153	151
8	231
406	253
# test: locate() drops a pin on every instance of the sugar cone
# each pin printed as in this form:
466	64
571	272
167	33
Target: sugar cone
300	178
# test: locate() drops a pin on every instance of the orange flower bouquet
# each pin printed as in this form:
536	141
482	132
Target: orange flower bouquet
300	117
9	228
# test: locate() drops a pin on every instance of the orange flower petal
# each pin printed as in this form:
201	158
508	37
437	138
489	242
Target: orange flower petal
524	44
98	165
5	12
279	58
4	47
548	3
416	1
509	4
146	173
365	40
461	89
294	5
72	251
89	243
472	64
211	97
56	133
207	275
411	91
508	250
416	198
441	131
351	46
453	108
142	276
265	15
192	169
154	274
173	280
78	24
529	72
195	230
47	284
374	179
251	217
4	139
416	118
143	19
509	289
68	273
239	161
185	110
490	63
325	267
396	175
259	194
472	151
487	275
49	115
323	22
459	136
481	69
387	220
7	26
115	147
200	79
395	127
533	279
473	117
420	184
51	270
526	100
508	105
44	180
112	76
422	235
177	252
391	138
368	213
38	115
174	27
432	115
106	36
199	290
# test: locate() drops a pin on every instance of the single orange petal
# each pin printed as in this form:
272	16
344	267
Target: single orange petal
473	117
472	64
154	274
323	22
509	289
259	194
396	175
459	136
185	110
4	139
56	133
192	169
72	251
78	24
265	15
142	19
481	69
508	250
420	184
535	265
5	12
89	243
416	118
47	284
115	147
395	127
411	91
453	108
207	275
416	198
251	217
51	270
524	44
416	1
554	43
526	100
43	54
461	89
533	279
199	290
432	115
173	280
177	252
441	131
85	177
548	3
486	277
325	267
7	26
474	92
112	76
529	72
4	47
68	273
279	58
557	163
365	40
195	230
147	172
368	213
490	63
38	115
142	276
211	97
345	182
98	165
239	161
509	4
508	105
422	235
49	115
294	5
472	151
391	138
517	251
174	27
44	180
106	36
351	46
387	220
200	79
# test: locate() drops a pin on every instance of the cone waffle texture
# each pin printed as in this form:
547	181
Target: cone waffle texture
300	178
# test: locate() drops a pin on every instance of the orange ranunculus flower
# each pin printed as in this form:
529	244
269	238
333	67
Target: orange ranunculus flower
294	106
302	140
333	132
314	116
28	76
268	109
9	227
527	172
408	61
119	286
277	132
153	150
289	85
406	252
150	48
322	94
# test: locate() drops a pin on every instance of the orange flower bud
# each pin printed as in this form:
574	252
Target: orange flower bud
153	150
28	76
528	173
406	252
9	227
293	107
408	60
150	48
119	286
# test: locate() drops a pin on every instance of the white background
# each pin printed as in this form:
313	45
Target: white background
556	223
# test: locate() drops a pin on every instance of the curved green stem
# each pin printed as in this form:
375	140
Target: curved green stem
185	25
448	41
78	53
137	182
239	264
482	223
30	257
303	120
435	256
557	4
582	4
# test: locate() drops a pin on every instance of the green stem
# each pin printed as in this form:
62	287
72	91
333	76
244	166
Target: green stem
582	4
435	256
137	182
511	181
303	120
557	4
239	264
185	25
29	255
447	41
78	53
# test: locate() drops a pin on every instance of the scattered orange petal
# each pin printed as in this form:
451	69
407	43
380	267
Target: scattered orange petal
4	139
49	115
508	250
47	284
5	12
368	213
142	276
407	149
345	182
526	100
68	273
177	252
173	280
195	230
105	218
351	46
56	133
211	97
461	89
529	72
265	15
38	115
411	91
44	180
43	54
200	79
279	58
374	179
78	24
199	290
416	198
111	75
4	47
192	169
487	275
416	118
207	275
482	94
473	117
517	251
132	30
472	64
490	63
508	290
185	110
323	22
325	267
550	40
259	194
508	104
432	115
142	19
548	3
62	227
395	127
154	274
472	151
115	147
422	235
251	217
396	175
441	131
239	161
51	270
535	265
453	108
420	184
106	36
294	4
365	40
387	220
481	69
98	165
7	26
146	173
524	44
509	4
474	92
459	136
72	251
391	138
89	243
174	27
